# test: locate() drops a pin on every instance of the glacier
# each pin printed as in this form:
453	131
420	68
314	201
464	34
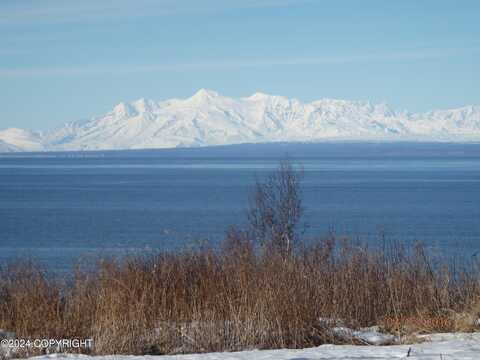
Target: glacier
208	118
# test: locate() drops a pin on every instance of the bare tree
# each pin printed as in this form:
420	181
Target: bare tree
276	208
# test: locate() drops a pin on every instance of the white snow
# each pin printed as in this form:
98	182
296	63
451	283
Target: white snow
14	139
208	118
364	336
5	147
437	347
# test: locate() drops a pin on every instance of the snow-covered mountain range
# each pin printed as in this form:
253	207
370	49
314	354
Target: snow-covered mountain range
208	118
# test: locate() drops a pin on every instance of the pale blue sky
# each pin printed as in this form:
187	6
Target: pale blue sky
65	60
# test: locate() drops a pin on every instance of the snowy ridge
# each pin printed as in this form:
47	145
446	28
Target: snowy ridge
208	118
14	139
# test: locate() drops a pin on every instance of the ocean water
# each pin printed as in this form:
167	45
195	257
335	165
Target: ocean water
61	207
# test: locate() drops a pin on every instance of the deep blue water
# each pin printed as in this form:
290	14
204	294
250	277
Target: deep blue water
59	207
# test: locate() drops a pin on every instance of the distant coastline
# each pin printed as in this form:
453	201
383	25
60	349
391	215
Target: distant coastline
280	149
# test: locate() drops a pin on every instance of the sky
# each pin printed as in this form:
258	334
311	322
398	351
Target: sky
62	60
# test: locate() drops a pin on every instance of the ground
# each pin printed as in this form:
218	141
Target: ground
437	347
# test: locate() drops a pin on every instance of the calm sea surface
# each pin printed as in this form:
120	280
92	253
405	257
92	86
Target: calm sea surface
59	207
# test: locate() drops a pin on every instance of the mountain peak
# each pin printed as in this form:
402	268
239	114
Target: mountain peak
123	109
143	105
204	94
258	96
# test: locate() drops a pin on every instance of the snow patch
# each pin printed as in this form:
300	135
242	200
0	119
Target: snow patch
439	346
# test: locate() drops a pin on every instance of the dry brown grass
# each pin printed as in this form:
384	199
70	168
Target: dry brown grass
237	297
